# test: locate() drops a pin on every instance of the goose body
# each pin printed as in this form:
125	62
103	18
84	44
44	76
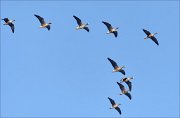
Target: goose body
80	24
114	105
10	23
124	91
116	67
111	29
128	82
151	36
43	23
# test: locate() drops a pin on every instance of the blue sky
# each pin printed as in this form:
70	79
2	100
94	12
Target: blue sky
65	72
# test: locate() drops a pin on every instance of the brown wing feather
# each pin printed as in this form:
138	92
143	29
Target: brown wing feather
108	25
78	20
41	19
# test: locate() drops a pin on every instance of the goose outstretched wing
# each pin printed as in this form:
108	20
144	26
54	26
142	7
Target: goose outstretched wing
113	63
108	25
146	32
115	33
41	19
12	27
129	85
118	109
112	101
86	28
48	27
129	95
78	20
121	86
122	71
155	40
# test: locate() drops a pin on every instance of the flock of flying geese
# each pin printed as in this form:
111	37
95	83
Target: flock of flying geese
114	64
121	86
80	26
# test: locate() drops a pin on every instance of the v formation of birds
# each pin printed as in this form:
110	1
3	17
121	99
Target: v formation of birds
116	67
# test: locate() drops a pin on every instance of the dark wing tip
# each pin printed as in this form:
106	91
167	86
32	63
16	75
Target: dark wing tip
48	27
123	72
12	27
129	85
129	95
119	110
120	85
87	29
109	59
115	33
75	17
155	40
37	16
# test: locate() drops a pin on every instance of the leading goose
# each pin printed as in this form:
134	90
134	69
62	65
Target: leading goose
10	23
43	23
114	105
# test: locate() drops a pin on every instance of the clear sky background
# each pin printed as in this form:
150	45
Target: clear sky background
65	72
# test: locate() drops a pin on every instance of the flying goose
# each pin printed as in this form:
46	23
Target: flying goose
80	24
116	67
127	81
111	29
43	23
151	36
114	105
10	23
124	91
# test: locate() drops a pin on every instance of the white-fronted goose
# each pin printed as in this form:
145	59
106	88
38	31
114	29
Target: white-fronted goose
111	29
151	36
124	91
10	23
80	24
114	105
43	23
116	67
